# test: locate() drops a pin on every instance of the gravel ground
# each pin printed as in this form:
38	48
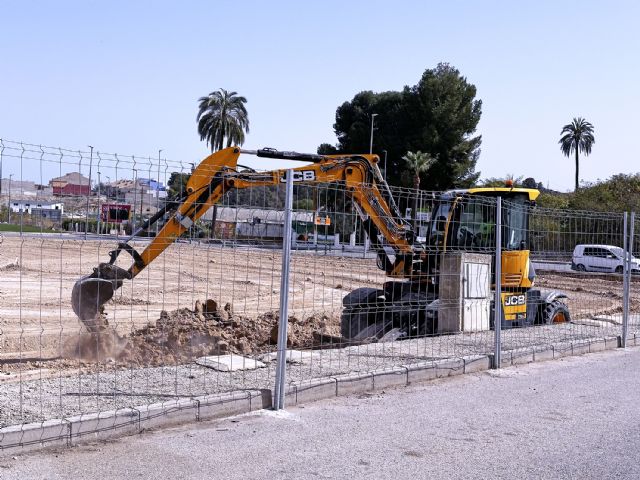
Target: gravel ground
37	323
49	392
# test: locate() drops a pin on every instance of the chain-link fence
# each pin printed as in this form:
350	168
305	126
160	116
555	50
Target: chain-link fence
373	279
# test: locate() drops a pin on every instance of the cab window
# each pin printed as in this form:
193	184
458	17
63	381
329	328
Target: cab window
439	221
476	227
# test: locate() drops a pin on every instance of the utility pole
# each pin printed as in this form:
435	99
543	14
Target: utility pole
106	217
373	117
364	236
141	201
99	210
10	177
385	165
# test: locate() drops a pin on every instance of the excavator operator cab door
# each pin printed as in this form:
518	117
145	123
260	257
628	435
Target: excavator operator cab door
439	225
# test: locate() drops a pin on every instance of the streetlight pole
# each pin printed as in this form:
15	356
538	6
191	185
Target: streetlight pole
385	165
365	238
10	176
373	116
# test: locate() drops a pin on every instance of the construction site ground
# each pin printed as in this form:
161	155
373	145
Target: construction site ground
201	299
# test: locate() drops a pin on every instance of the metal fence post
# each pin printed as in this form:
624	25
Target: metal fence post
632	228
628	252
497	301
278	396
625	281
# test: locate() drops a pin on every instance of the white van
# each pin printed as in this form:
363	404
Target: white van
601	258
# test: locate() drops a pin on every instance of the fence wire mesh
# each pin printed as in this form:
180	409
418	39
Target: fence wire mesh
379	278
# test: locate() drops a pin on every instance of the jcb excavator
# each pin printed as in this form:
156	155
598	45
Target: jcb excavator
406	305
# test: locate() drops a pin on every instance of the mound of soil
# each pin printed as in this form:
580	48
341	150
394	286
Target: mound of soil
182	335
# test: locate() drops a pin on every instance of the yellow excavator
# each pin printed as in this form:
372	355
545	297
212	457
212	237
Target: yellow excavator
407	304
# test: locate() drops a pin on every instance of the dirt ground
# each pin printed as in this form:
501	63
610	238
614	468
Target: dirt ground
37	275
167	302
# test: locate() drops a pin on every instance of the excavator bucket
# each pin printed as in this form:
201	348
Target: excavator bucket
87	297
90	293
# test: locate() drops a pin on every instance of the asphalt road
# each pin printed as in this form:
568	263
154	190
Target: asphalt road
570	418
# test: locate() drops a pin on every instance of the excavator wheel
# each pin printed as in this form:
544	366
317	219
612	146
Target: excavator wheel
556	312
361	310
352	322
368	314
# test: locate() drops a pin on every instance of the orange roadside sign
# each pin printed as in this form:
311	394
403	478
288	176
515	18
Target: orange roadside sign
322	220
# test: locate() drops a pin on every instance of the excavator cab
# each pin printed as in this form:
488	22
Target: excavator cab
465	220
461	221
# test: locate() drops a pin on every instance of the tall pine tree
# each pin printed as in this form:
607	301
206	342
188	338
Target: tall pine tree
438	116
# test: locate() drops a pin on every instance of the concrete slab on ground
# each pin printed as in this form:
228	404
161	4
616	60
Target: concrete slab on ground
603	321
616	318
293	356
229	363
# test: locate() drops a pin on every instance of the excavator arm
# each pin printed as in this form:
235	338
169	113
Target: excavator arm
218	174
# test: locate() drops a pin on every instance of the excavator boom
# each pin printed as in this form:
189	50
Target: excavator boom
216	175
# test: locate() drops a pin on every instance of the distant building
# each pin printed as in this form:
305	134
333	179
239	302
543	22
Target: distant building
17	187
256	223
42	209
153	187
71	184
144	194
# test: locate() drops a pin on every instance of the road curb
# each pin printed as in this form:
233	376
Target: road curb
89	427
30	436
103	425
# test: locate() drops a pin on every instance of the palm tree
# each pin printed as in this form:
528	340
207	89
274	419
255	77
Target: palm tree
577	136
417	162
222	115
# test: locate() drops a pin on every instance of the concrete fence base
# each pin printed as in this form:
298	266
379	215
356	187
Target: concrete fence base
110	424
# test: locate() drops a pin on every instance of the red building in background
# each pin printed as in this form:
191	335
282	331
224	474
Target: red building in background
71	184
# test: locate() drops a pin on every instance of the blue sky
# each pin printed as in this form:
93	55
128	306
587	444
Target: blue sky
125	76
